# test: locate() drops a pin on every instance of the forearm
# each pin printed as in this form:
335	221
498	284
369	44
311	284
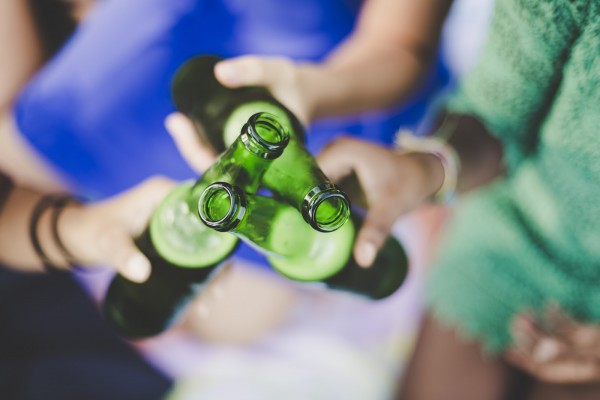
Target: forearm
372	77
381	63
20	50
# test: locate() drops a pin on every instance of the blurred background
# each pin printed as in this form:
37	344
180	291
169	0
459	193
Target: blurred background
92	116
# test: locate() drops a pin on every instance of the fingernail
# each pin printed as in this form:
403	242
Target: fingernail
173	124
366	254
137	268
546	350
227	73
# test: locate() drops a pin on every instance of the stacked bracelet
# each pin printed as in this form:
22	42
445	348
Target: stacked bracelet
6	186
438	147
56	202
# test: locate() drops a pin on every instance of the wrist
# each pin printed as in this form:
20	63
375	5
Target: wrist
309	77
433	172
432	148
44	232
68	231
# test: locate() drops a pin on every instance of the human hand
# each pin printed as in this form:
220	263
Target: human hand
198	156
101	233
281	76
556	349
392	183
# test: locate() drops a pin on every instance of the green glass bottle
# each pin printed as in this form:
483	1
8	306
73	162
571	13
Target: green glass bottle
183	252
297	251
294	177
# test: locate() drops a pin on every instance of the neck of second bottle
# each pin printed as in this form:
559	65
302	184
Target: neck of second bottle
255	219
296	178
262	140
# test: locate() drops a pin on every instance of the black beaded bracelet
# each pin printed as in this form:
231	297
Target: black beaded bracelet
49	201
59	207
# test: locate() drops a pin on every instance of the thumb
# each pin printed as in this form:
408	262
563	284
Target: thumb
255	71
340	157
243	71
373	234
198	156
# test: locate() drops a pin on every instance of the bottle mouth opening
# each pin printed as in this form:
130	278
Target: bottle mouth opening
326	208
265	136
222	206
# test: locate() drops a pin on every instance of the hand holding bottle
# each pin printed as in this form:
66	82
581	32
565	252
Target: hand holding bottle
102	232
393	184
284	78
198	155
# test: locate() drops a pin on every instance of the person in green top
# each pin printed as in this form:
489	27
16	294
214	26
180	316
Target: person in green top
517	276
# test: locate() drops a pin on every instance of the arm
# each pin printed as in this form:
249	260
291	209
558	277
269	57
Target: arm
378	65
391	183
21	55
381	62
95	234
20	50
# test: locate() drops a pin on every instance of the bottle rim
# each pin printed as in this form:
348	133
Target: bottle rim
235	212
316	197
257	144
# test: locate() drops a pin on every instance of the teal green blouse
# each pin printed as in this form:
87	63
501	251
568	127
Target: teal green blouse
532	237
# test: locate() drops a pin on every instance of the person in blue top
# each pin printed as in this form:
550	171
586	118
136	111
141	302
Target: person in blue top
94	114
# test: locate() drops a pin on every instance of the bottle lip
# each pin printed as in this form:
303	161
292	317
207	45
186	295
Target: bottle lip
235	213
259	145
315	198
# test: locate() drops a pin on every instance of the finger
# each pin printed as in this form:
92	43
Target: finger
218	281
587	340
535	344
570	372
251	70
135	206
584	337
213	291
525	332
340	157
120	251
375	229
548	349
556	321
183	132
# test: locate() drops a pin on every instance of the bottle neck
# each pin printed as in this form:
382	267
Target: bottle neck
264	136
198	94
222	206
255	219
326	207
262	139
